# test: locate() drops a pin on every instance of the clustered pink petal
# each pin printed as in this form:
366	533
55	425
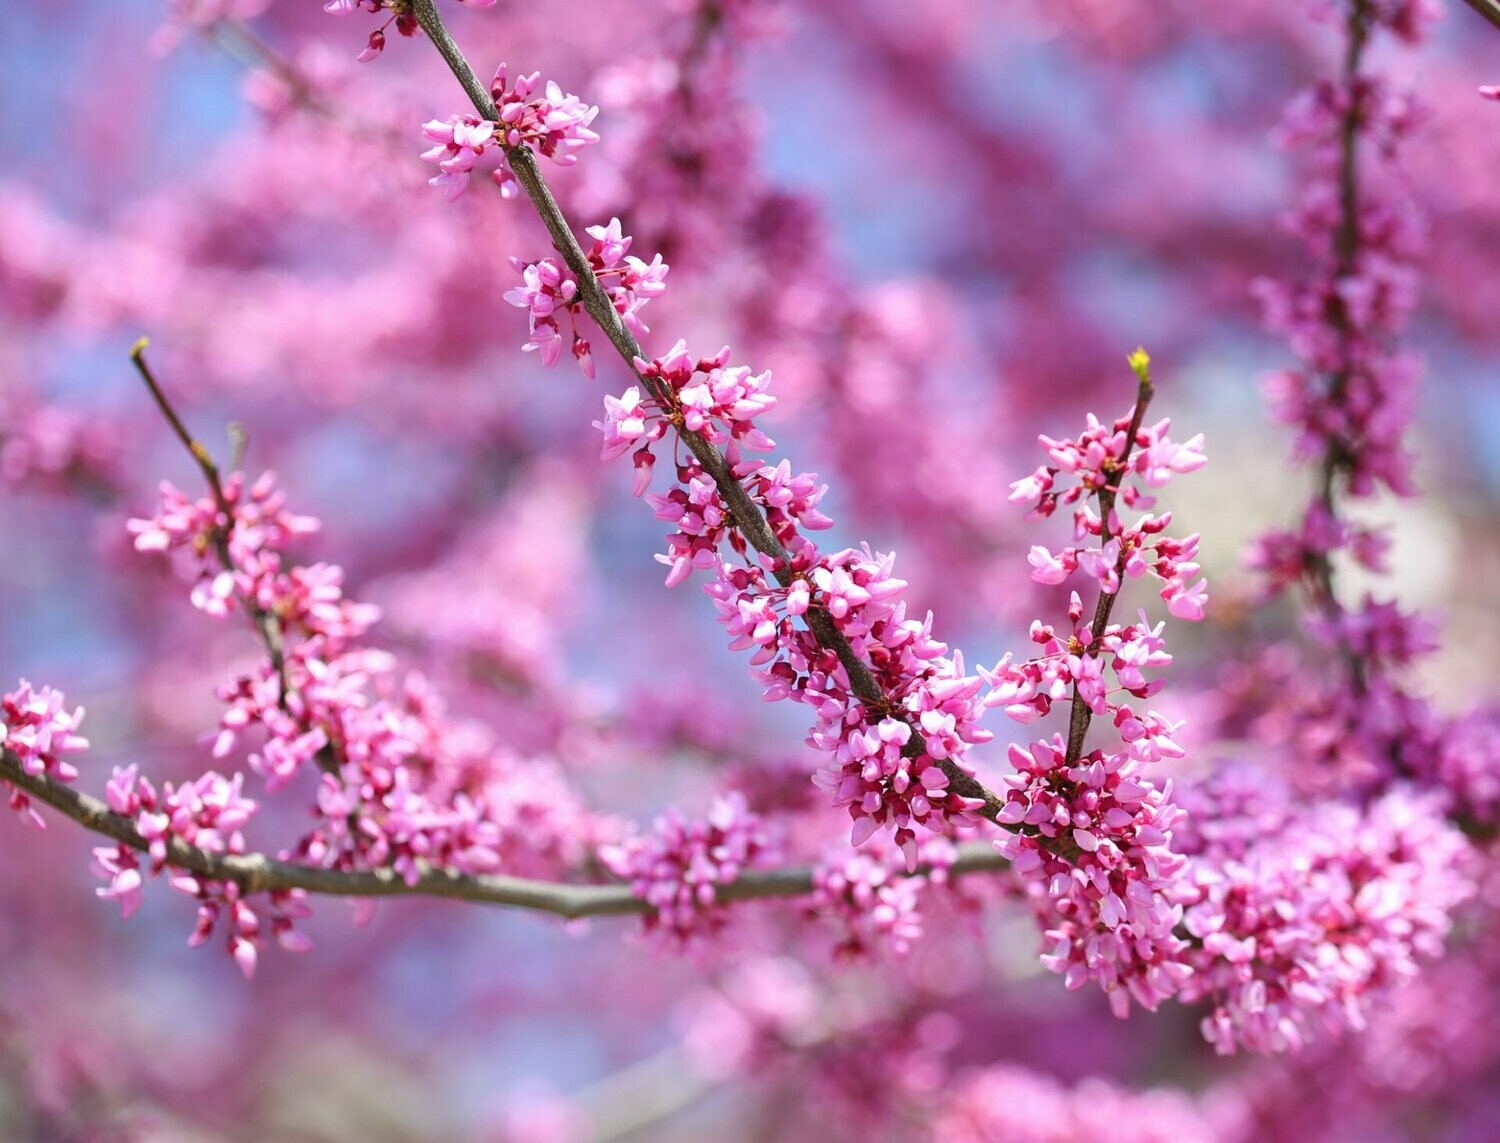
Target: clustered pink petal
1094	463
1008	1103
209	813
1027	690
254	528
1284	556
873	898
1095	856
1354	392
1351	400
1301	914
549	290
682	864
1092	832
48	443
401	786
40	734
885	762
553	123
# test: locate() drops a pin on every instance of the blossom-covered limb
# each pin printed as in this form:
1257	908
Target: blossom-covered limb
255	872
266	623
1351	400
748	518
1082	714
1093	832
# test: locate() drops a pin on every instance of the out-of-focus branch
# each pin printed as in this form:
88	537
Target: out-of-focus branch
748	518
1337	457
242	42
256	872
1489	9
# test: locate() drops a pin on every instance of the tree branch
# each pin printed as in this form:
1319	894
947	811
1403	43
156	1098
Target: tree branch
1082	714
1340	452
748	518
1489	9
266	624
255	872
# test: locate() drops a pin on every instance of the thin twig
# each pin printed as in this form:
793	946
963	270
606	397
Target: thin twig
1340	452
243	43
266	623
255	872
1082	714
1489	9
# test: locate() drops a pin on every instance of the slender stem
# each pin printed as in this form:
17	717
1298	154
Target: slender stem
748	518
267	624
1339	451
243	43
256	872
1489	9
1082	714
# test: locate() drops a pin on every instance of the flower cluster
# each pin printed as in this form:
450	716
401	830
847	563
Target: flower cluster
1095	855
706	396
209	813
48	443
715	400
873	898
250	524
1011	1103
680	867
1300	914
549	290
553	123
1352	397
1077	665
1286	558
1102	460
40	734
682	141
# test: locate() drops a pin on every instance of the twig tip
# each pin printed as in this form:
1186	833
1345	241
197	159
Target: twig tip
1140	364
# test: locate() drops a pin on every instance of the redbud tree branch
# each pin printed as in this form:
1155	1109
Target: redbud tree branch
265	623
748	518
256	872
260	873
1339	453
1082	714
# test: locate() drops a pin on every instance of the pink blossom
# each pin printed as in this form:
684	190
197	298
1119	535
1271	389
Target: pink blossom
553	123
1007	1102
680	867
550	293
40	735
1107	908
1301	915
872	897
